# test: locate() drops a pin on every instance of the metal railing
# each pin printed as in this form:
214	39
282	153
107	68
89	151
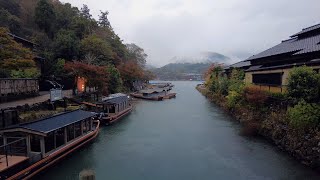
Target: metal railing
15	147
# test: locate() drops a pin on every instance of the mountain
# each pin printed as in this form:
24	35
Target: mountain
189	67
202	57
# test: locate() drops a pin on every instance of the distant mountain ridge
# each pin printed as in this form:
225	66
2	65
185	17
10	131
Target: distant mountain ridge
189	67
203	57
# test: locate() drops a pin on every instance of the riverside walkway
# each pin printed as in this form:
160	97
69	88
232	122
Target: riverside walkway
43	97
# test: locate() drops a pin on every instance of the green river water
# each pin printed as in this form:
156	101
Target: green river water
186	138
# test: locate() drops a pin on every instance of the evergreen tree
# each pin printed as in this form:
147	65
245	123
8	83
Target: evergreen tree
85	12
103	19
45	16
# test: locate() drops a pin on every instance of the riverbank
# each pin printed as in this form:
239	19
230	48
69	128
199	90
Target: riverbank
272	125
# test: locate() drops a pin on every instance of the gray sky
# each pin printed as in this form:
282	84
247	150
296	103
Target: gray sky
235	28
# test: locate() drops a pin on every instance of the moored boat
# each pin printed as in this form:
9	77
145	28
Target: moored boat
111	108
32	147
155	93
147	96
169	95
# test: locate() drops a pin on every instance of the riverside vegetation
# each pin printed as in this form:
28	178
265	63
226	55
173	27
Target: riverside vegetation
72	43
291	120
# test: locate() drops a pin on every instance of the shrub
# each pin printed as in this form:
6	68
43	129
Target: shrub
234	99
304	115
303	84
255	96
278	96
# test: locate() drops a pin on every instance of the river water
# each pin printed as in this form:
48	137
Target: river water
186	138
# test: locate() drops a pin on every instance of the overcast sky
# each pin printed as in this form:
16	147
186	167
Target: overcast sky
235	28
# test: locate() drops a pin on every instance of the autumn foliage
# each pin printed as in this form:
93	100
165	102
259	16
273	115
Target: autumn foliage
96	76
255	96
15	60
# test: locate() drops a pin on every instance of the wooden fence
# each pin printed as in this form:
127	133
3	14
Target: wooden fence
18	88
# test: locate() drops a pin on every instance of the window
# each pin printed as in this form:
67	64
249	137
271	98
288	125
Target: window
267	79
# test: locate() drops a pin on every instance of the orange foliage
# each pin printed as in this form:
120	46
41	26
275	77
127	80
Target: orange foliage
130	71
97	76
255	96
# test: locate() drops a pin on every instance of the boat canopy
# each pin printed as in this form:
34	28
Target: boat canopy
47	125
112	100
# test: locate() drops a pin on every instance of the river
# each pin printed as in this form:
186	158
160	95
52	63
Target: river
186	138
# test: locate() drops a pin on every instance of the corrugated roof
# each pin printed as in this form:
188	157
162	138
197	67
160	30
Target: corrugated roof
293	46
52	123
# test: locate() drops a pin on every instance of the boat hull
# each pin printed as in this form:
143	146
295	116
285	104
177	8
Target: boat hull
48	161
170	96
155	98
112	119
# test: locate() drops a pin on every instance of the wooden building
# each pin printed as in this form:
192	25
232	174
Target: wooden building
269	70
28	148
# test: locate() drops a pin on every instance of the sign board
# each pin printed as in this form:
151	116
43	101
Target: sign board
55	94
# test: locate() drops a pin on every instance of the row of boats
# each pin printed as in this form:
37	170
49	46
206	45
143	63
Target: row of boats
156	91
29	148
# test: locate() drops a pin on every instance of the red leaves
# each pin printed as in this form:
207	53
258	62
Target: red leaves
96	76
130	71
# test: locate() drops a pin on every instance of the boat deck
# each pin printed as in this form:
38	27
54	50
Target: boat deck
12	160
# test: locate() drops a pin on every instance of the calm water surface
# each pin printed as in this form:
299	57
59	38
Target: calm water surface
183	138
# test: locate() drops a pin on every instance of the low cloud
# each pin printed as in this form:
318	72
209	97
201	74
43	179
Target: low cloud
235	28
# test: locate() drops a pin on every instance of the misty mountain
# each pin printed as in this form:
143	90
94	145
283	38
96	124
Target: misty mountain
189	67
202	57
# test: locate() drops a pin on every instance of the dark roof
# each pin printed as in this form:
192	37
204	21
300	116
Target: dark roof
261	67
22	39
115	100
52	123
239	64
293	46
306	30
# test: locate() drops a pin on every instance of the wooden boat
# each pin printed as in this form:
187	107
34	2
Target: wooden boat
32	147
155	97
169	96
111	108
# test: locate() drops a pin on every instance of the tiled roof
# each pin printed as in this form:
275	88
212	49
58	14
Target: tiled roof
294	46
308	29
52	123
239	64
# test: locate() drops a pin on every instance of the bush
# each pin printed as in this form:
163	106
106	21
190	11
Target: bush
278	96
234	99
255	96
304	115
303	84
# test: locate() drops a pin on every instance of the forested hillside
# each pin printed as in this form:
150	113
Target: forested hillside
72	43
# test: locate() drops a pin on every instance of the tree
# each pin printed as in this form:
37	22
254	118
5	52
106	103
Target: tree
45	16
130	71
10	21
66	45
303	84
65	14
115	81
96	76
85	12
103	19
96	50
15	60
137	54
